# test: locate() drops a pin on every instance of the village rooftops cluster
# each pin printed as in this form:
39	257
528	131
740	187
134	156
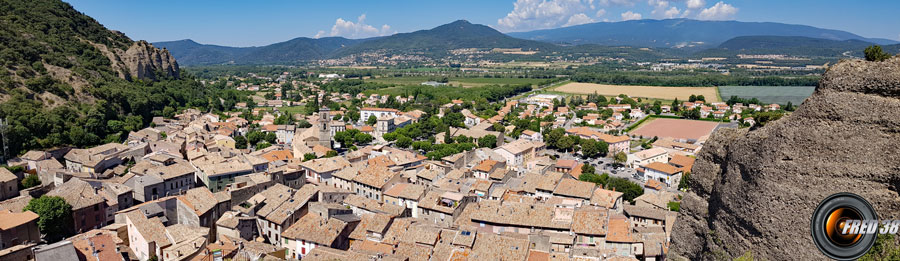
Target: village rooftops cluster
185	190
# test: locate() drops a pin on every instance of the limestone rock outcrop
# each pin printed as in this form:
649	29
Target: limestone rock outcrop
142	61
756	190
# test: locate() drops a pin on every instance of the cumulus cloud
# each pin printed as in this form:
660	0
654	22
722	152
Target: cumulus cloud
358	29
617	2
578	19
631	16
661	9
719	11
696	4
542	14
672	12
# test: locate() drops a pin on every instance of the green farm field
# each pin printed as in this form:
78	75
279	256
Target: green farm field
768	94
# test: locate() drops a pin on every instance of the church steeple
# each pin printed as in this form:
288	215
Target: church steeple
323	125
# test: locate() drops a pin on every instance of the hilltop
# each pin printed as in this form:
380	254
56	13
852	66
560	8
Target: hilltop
67	80
455	35
435	41
190	52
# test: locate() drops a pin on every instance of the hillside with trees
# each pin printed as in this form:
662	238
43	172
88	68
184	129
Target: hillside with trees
67	80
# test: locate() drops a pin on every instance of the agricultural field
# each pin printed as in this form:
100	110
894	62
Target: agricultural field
678	129
653	92
769	94
465	82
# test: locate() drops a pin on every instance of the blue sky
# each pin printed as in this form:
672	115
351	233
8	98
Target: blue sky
254	23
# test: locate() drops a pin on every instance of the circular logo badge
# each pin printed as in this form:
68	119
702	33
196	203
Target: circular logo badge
832	231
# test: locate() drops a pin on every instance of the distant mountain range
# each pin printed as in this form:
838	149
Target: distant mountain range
792	45
723	37
455	35
188	52
459	34
680	33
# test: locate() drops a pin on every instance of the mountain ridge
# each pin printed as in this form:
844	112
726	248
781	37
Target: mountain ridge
789	45
69	81
458	34
673	32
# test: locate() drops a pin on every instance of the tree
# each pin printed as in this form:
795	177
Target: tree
15	169
499	127
565	143
309	156
587	169
303	124
454	119
620	157
55	216
592	148
685	181
600	180
240	142
31	181
345	138
263	145
789	106
255	136
331	153
283	119
447	137
692	98
554	136
629	189
488	141
691	114
362	138
271	137
372	120
875	54
403	141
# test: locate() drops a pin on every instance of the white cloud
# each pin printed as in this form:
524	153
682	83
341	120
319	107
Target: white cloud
661	9
617	2
578	19
600	12
695	4
542	14
631	16
671	13
359	29
719	11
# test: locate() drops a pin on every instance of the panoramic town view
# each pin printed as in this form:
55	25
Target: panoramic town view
523	130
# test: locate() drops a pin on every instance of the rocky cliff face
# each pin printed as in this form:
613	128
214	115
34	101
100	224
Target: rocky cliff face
756	190
142	61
